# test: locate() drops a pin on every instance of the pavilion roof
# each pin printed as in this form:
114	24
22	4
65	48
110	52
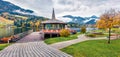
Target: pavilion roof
53	20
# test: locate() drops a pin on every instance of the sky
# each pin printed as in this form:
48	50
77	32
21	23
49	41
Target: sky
82	8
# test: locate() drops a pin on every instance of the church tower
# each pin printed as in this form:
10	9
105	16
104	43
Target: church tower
53	15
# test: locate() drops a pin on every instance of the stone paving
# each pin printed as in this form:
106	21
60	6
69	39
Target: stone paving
31	46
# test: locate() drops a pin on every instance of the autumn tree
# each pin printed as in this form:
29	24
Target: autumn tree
107	21
37	24
31	24
83	29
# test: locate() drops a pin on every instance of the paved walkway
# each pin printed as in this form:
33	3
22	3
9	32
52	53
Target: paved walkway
31	46
81	38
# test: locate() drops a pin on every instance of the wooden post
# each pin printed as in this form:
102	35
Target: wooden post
42	35
43	26
50	35
8	41
57	35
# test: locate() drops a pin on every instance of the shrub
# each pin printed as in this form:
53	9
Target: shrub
64	33
91	35
98	33
83	29
5	40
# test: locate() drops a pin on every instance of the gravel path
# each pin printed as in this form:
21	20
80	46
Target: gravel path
31	46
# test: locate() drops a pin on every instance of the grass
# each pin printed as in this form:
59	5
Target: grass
60	39
2	46
94	48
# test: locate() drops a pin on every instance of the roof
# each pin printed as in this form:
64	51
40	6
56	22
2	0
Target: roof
53	20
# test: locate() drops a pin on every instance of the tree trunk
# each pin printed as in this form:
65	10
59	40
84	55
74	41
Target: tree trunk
109	35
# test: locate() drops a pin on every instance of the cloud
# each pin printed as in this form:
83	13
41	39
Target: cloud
68	7
40	7
84	7
64	19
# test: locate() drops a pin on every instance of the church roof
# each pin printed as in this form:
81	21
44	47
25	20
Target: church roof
53	20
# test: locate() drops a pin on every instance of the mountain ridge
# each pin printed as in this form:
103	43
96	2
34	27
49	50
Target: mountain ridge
82	20
6	6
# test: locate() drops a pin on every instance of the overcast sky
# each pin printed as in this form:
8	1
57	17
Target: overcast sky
82	8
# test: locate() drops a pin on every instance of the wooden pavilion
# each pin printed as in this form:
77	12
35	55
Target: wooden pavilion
53	26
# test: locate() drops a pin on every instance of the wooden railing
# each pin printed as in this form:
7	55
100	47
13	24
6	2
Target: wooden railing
16	37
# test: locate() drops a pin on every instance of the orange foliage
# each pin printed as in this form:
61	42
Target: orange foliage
109	19
117	19
37	24
5	39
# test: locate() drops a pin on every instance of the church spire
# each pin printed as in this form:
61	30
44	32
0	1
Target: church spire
53	14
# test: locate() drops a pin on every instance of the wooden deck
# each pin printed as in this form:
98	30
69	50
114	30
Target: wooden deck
33	37
31	46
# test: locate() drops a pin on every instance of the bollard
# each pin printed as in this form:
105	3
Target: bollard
8	41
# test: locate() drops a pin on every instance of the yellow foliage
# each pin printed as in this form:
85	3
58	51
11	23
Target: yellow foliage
117	19
64	33
31	23
108	20
37	23
100	24
5	21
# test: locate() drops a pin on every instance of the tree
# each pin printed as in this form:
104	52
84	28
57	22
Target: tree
107	21
37	24
31	24
83	29
117	19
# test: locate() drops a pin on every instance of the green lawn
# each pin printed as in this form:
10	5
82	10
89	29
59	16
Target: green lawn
94	48
60	39
2	46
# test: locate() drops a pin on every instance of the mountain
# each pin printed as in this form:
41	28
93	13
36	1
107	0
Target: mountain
82	20
12	9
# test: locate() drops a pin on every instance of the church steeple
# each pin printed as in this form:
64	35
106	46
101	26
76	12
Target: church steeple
53	14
